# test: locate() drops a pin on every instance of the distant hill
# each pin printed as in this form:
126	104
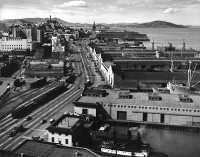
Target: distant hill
162	24
154	24
9	22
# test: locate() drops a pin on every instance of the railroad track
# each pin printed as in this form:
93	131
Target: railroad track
20	99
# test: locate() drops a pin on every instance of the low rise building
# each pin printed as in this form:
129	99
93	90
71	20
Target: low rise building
94	92
68	130
86	108
45	68
160	108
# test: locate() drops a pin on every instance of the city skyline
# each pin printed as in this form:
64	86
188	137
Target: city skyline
113	11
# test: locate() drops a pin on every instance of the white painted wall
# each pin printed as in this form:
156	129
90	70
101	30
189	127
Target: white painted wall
61	137
91	111
9	44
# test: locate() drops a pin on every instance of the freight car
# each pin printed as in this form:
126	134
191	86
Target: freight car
48	95
39	83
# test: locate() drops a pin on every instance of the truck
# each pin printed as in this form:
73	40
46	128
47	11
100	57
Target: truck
16	130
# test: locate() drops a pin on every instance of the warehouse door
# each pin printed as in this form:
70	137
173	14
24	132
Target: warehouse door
84	111
121	115
144	117
162	118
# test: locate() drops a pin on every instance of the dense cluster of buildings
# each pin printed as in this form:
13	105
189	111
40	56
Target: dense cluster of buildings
138	79
43	44
141	67
141	78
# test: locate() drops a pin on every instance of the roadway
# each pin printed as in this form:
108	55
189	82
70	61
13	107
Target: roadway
53	109
87	66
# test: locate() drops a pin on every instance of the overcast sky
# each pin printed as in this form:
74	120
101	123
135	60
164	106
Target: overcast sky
186	12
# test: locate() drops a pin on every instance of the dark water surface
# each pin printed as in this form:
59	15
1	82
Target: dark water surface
172	143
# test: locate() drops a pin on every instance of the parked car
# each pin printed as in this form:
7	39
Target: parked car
28	118
52	120
11	134
105	128
43	121
37	138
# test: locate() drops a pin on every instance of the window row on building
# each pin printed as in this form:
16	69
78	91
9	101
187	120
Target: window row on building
10	45
153	108
14	39
59	140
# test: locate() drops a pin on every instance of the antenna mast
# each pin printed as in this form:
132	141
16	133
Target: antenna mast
189	73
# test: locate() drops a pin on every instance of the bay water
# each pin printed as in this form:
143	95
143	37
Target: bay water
164	36
173	143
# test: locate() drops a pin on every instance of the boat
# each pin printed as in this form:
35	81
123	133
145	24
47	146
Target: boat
176	88
129	144
110	148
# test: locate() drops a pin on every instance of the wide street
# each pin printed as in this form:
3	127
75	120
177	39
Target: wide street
53	109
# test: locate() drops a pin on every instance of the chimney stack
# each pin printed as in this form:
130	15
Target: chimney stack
183	48
153	44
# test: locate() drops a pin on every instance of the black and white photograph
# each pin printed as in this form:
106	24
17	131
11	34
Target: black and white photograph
100	78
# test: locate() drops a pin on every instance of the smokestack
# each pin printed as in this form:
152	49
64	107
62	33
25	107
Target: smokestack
153	44
183	48
50	18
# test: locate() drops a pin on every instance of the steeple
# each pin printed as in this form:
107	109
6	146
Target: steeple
94	27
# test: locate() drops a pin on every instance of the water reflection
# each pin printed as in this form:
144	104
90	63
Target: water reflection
173	143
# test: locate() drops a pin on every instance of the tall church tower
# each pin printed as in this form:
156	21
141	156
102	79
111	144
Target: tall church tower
94	27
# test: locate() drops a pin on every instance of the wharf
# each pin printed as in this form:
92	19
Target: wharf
158	126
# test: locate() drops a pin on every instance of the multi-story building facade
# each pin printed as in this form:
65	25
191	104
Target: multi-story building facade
16	32
9	44
29	34
40	35
58	48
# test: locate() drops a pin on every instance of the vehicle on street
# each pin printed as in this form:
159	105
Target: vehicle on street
52	120
43	121
105	128
11	134
37	138
16	130
28	118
